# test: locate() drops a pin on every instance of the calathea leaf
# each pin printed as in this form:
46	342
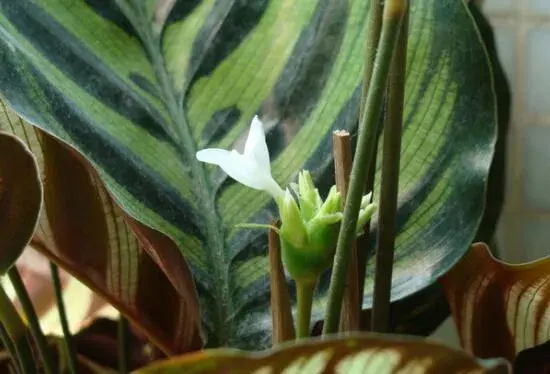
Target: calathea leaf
20	198
354	355
499	309
138	89
83	231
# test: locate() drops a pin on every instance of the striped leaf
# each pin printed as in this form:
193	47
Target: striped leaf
20	198
499	309
82	230
138	86
352	355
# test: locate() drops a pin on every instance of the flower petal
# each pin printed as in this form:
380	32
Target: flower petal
255	147
241	169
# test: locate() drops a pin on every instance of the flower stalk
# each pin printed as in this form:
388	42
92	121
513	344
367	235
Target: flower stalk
17	332
365	146
385	247
8	345
341	149
281	314
374	26
304	297
67	337
32	318
122	344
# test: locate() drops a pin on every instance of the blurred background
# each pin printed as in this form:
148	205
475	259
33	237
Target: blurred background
522	32
522	36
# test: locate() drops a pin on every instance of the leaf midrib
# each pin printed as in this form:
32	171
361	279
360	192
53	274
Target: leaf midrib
201	185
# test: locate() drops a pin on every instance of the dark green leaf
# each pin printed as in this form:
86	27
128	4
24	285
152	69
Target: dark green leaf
138	101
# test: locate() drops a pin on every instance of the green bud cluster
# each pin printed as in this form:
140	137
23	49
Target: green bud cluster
309	227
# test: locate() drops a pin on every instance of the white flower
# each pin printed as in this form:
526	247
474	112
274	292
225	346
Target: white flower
252	168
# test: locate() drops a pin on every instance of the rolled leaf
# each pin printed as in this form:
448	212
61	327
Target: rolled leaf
138	87
20	198
499	309
356	354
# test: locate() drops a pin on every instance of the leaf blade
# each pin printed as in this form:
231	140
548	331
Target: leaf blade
510	303
20	198
355	354
211	91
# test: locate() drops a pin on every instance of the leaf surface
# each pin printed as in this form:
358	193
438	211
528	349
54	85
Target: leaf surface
350	355
20	198
87	234
499	309
138	89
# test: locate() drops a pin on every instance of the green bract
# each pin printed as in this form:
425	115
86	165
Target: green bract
309	230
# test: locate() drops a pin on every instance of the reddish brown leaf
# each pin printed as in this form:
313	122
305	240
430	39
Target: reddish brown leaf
89	237
20	198
98	343
86	233
344	355
499	309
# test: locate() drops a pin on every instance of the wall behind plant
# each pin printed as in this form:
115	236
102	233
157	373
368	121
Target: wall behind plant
522	35
522	32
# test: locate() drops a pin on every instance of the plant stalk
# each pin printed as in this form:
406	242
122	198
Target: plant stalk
341	149
389	185
374	25
17	332
281	314
393	12
7	343
32	319
67	337
122	342
304	295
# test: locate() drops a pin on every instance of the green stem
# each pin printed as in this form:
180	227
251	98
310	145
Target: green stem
389	185
304	295
32	318
67	337
8	345
122	342
393	12
374	25
16	330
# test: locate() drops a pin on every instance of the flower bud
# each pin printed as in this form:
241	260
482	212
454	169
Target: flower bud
292	224
332	204
309	231
365	214
310	201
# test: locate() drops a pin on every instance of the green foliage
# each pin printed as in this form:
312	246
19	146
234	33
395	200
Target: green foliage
137	93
